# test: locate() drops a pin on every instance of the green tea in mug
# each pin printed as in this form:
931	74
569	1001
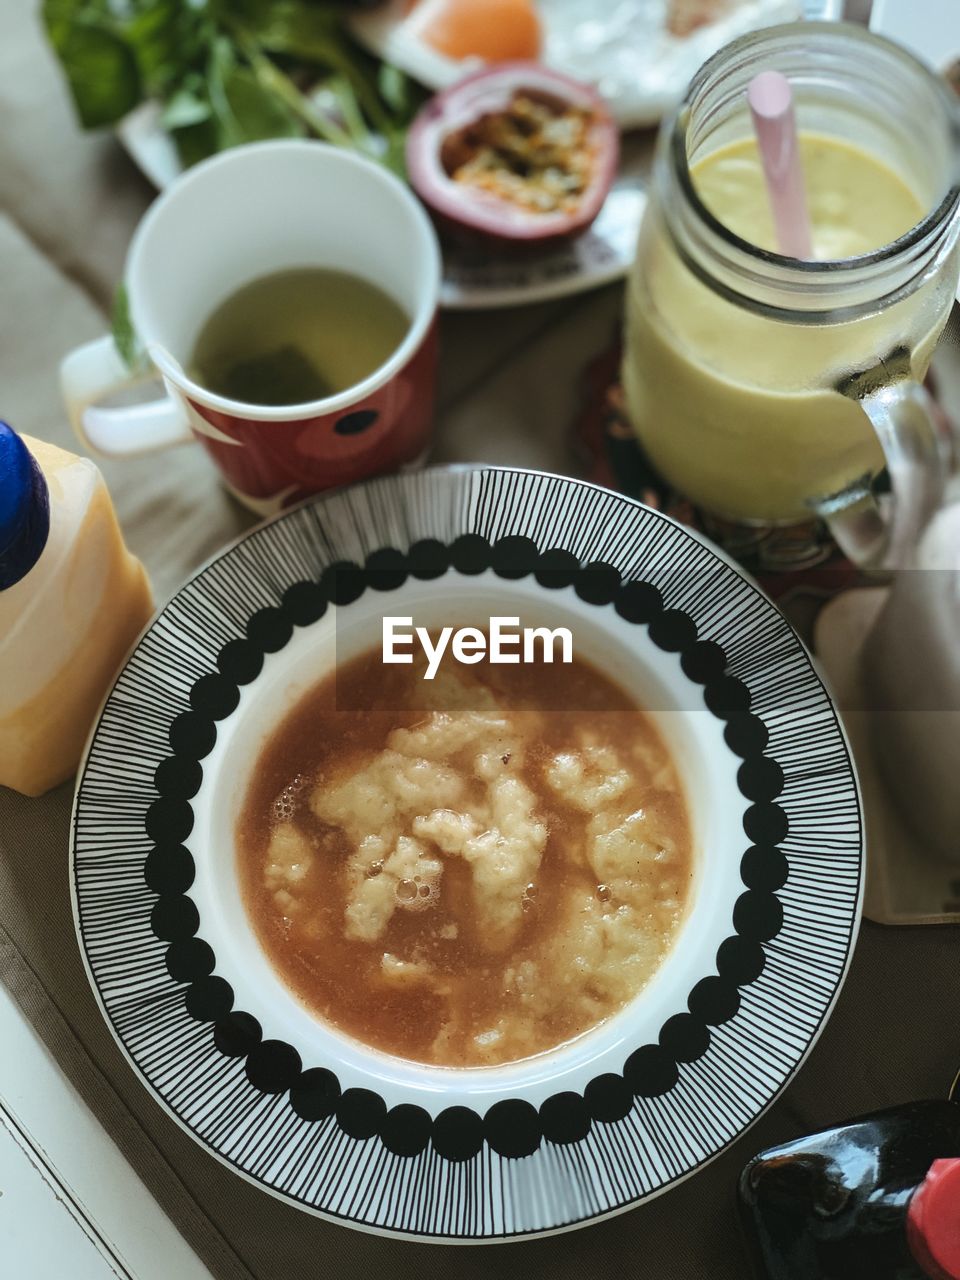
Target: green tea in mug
296	336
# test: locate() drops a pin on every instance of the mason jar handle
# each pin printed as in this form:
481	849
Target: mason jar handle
917	446
94	371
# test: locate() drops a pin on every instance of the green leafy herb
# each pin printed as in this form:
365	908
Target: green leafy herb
124	335
231	71
102	72
187	106
244	108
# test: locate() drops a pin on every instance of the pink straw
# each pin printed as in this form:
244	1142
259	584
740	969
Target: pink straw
775	124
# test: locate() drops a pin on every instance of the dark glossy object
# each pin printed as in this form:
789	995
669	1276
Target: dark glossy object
833	1206
24	509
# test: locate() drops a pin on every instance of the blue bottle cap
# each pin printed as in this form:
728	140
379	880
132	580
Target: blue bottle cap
24	509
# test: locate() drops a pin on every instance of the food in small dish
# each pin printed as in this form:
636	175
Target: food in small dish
461	876
514	156
494	30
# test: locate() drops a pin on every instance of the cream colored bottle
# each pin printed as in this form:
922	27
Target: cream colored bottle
72	601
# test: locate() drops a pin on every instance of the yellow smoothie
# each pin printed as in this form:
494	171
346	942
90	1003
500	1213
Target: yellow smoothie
736	409
856	202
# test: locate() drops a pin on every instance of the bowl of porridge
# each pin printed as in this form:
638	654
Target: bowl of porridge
470	871
467	855
494	868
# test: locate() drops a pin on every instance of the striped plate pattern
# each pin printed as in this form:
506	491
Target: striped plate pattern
804	918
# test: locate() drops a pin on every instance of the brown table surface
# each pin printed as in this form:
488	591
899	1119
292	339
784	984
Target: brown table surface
68	204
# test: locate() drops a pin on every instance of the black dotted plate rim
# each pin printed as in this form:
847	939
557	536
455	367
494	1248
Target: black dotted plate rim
513	1128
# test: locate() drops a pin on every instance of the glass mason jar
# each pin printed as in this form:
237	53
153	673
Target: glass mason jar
769	389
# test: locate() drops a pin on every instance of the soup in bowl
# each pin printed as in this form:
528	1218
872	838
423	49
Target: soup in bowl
499	874
464	869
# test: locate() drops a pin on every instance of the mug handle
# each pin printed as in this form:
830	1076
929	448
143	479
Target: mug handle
96	370
919	453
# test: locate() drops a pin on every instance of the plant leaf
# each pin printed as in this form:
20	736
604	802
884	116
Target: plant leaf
168	39
101	69
124	335
397	90
310	32
231	71
313	33
316	117
245	110
195	142
187	107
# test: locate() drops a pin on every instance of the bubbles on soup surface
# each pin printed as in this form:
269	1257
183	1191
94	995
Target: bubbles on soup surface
418	893
285	805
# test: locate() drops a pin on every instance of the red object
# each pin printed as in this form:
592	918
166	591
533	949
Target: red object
277	463
933	1221
467	213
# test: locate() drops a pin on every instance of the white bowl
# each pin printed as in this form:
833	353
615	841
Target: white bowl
654	678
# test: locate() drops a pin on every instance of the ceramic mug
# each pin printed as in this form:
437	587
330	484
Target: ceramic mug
244	214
